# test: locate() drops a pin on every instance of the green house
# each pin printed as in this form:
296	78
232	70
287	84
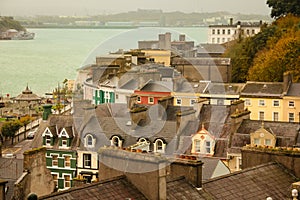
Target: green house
60	140
103	96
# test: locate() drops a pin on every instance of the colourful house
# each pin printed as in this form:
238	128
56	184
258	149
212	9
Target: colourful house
60	138
152	91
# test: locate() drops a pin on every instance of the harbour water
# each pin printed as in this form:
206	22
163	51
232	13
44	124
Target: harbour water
56	54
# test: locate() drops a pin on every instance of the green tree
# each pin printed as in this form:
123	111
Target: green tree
281	8
281	54
24	122
243	52
10	128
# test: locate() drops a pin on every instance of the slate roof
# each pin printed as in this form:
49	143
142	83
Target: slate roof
210	168
56	123
286	133
179	189
210	48
158	86
262	89
216	119
294	90
201	61
132	84
268	180
10	170
111	189
224	88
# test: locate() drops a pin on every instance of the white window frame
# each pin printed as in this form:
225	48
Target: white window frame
53	159
261	102
291	104
192	102
89	138
178	101
65	182
256	141
55	180
84	160
268	141
150	100
48	140
67	162
115	137
197	146
291	117
259	115
274	116
247	102
208	147
139	99
275	103
159	148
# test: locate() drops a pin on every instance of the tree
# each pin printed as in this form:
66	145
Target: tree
281	54
243	52
25	121
281	8
10	128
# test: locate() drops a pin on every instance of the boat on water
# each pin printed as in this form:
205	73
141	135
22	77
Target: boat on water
23	36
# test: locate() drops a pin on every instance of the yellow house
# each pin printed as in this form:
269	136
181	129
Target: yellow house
158	56
187	93
264	100
262	137
291	104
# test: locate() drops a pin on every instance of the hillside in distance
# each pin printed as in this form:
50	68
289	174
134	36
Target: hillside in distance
150	17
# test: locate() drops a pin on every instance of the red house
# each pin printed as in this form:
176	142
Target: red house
152	91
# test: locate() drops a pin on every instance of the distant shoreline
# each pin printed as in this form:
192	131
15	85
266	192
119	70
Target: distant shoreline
109	27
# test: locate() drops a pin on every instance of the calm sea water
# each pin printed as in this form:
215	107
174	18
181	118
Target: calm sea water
56	54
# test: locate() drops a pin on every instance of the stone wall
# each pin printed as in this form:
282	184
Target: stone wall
148	172
36	177
288	157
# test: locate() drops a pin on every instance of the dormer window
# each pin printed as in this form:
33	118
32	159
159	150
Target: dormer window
116	141
207	146
197	146
48	138
89	141
65	138
262	137
159	146
203	142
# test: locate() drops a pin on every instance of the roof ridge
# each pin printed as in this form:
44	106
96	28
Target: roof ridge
240	172
84	186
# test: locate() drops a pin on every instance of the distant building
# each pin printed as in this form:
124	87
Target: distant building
219	34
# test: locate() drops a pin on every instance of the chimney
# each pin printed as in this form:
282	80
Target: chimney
231	21
161	41
287	81
181	37
2	188
147	172
139	116
190	169
183	117
168	41
47	111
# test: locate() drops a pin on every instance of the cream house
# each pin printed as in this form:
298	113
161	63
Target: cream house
203	143
291	104
262	137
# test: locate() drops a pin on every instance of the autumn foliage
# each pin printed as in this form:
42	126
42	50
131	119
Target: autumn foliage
269	54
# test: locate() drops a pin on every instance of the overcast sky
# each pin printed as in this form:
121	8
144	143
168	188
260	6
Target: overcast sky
94	7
